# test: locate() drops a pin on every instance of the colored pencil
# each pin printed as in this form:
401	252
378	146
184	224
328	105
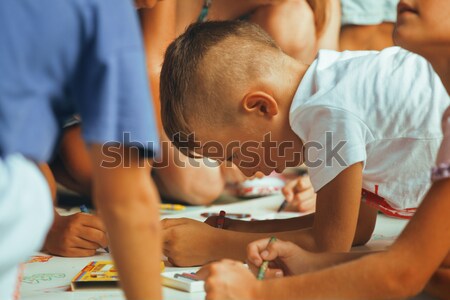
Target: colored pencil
265	264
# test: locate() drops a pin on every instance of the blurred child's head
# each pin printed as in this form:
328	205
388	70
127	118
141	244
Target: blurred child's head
423	26
229	82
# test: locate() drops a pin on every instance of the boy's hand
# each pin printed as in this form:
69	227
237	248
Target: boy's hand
76	235
187	242
229	280
285	258
300	195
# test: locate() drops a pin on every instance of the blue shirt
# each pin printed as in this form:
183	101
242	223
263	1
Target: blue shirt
65	57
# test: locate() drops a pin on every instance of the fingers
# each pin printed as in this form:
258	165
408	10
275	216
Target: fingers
91	221
290	189
93	237
85	244
216	268
303	202
77	252
259	251
204	272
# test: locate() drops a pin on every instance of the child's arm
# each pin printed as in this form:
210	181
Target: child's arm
72	165
334	227
400	272
329	39
340	217
174	172
128	203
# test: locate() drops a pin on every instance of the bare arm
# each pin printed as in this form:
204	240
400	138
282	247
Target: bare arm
329	39
338	204
174	172
400	272
128	203
72	166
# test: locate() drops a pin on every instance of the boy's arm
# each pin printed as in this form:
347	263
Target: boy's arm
400	272
334	227
128	204
337	209
174	172
340	219
72	166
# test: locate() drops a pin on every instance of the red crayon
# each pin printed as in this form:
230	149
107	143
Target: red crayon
221	219
192	277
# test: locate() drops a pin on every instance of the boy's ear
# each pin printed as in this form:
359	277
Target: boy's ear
260	102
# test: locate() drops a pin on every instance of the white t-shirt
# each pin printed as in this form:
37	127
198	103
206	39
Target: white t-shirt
387	106
444	152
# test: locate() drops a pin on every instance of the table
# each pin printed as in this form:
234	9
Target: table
50	280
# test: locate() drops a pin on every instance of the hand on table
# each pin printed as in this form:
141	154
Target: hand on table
285	258
300	195
77	235
228	280
188	242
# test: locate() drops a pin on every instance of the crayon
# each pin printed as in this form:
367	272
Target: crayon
231	215
167	206
265	264
188	276
283	205
221	219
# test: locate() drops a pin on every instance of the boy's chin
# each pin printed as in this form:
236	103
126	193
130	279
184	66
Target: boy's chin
404	37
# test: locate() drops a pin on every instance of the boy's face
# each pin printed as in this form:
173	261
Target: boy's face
253	145
423	25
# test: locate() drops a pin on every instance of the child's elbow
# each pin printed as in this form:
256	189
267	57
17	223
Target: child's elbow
404	282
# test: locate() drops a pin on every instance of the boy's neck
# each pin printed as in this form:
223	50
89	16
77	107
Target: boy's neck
441	65
293	75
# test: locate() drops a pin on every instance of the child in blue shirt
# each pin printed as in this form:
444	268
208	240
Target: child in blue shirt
59	58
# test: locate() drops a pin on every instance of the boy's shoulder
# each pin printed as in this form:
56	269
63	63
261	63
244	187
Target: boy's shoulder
333	59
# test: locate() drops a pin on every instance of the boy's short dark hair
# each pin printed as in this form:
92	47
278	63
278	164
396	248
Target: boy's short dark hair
183	73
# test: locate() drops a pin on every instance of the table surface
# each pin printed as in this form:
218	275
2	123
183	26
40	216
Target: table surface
51	280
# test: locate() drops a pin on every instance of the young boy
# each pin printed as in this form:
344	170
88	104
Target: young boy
366	123
60	58
419	259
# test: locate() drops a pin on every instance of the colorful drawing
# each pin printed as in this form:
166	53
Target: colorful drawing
37	278
39	258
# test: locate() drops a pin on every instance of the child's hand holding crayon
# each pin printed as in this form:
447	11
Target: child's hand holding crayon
78	235
285	258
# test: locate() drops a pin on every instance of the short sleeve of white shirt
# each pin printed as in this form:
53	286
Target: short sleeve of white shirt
332	146
444	151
